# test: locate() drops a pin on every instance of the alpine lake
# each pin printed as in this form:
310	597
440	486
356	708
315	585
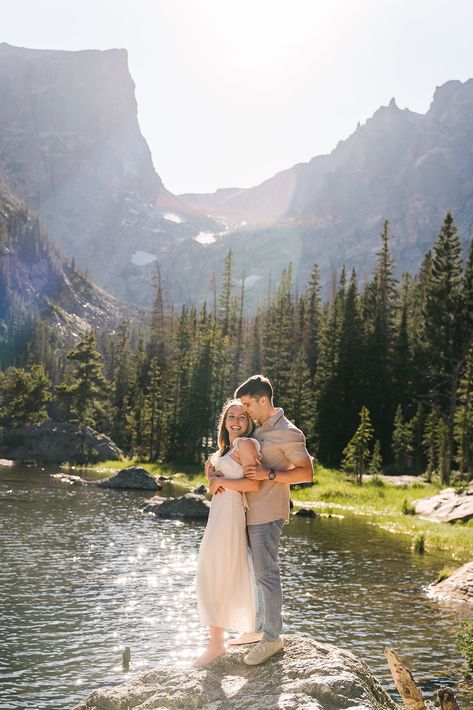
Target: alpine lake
84	573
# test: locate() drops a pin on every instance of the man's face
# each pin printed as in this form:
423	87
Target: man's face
252	405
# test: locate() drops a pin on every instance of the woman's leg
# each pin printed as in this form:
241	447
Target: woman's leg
216	647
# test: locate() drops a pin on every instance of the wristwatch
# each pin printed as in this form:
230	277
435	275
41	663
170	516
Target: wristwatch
272	474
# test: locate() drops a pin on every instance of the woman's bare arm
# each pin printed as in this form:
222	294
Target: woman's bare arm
235	484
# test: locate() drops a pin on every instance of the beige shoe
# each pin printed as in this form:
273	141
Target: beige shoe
263	651
250	637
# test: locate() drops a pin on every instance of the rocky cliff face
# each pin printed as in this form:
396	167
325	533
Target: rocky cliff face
35	279
401	166
71	148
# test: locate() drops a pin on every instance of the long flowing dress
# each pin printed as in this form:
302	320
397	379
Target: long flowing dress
225	584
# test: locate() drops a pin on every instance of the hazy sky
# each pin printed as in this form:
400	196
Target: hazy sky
232	91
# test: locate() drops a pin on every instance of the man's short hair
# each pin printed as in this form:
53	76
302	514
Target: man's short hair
256	386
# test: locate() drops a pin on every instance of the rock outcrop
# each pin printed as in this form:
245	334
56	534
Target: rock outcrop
72	149
36	279
306	676
456	588
448	506
132	478
330	210
57	442
191	505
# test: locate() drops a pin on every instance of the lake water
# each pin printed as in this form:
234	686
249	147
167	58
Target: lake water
83	573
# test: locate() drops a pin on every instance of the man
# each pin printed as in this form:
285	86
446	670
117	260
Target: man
285	460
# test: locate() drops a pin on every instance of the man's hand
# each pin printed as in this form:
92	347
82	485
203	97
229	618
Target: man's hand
215	485
257	472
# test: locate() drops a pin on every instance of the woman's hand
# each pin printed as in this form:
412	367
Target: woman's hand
215	486
209	469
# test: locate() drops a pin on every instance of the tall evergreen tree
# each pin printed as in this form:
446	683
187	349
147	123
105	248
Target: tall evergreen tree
463	423
380	316
357	453
443	332
24	394
87	390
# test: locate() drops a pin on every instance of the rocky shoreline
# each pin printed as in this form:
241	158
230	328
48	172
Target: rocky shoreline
306	675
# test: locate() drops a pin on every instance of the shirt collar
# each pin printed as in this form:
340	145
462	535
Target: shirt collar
273	419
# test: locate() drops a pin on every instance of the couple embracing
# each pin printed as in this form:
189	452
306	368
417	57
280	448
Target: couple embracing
260	453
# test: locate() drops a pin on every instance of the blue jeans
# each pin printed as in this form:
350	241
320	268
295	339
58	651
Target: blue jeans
264	544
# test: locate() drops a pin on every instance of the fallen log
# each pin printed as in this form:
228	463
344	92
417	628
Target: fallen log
410	692
411	695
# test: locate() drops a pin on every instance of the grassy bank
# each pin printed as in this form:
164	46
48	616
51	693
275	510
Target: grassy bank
382	503
386	505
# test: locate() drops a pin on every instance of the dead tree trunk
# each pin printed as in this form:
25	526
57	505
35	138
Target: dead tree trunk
404	682
411	695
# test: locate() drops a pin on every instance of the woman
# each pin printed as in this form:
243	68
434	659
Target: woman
225	586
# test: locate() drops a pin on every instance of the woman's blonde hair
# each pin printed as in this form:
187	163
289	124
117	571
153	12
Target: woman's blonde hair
223	438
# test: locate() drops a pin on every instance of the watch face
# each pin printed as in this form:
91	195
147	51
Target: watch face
272	475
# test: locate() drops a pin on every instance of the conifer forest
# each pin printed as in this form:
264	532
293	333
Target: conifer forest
384	368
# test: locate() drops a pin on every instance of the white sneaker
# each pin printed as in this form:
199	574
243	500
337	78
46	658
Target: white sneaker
250	637
262	651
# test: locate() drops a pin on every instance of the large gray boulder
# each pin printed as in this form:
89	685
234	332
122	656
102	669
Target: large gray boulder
191	505
307	676
133	477
57	442
456	588
448	506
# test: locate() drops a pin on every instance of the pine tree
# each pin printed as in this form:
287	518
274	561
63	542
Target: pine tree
327	382
430	442
300	404
277	339
356	455
376	462
24	394
380	306
402	442
312	319
87	391
443	332
463	423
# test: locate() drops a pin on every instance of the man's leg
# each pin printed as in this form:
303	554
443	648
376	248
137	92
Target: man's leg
264	543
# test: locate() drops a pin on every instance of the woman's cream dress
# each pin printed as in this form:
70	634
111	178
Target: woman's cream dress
225	585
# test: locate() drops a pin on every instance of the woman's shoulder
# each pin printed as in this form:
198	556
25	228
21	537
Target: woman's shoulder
236	443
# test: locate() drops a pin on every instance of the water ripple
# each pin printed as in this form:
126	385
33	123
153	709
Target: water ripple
85	574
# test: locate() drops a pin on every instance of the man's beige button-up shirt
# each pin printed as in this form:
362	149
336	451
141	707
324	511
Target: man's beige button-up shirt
282	445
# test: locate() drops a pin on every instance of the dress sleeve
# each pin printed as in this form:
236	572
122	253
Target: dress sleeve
247	438
214	458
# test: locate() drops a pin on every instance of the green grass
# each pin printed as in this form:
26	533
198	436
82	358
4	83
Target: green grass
389	507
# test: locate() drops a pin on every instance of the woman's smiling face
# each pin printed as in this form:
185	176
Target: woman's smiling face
236	421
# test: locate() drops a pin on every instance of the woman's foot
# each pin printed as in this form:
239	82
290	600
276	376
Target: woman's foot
211	653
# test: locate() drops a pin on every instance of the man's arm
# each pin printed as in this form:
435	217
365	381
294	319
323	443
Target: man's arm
301	472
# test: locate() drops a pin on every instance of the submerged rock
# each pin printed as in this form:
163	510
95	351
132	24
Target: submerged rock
191	506
307	513
448	506
133	477
152	505
307	675
456	588
201	490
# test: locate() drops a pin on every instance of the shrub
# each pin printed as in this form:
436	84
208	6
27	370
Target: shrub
444	573
408	508
419	543
465	642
